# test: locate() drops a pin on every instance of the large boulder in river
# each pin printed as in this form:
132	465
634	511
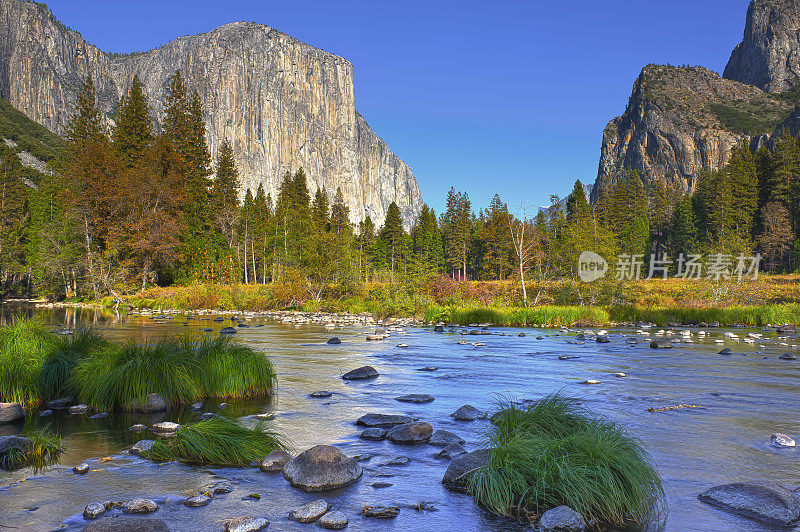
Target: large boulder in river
456	478
11	412
763	500
661	343
321	468
153	403
561	519
124	523
383	420
410	433
362	373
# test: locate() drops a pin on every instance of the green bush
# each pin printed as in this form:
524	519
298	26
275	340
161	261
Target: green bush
555	452
217	441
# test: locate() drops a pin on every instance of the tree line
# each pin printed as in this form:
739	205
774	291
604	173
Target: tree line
142	203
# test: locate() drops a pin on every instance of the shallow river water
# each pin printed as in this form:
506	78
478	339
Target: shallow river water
744	397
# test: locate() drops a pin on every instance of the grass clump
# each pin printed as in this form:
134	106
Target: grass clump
25	346
555	452
55	378
44	449
217	441
181	370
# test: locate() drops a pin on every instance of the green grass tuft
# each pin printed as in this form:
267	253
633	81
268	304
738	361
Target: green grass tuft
45	449
217	441
25	345
55	378
181	370
555	452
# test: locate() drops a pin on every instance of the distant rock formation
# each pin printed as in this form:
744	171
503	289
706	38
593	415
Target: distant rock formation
281	103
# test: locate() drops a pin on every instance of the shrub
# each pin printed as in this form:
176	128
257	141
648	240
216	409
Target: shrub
554	452
217	441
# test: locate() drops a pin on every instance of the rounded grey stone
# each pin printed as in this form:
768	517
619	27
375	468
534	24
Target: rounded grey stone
321	468
310	512
334	520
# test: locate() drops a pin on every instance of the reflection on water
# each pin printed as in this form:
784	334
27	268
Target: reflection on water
745	398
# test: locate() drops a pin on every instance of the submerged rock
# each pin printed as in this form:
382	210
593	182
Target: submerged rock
561	519
602	339
398	461
127	524
11	412
165	428
322	394
310	512
468	413
227	330
417	398
321	468
726	351
661	343
410	433
78	409
139	506
141	447
381	512
373	434
362	373
443	438
451	451
789	356
383	420
274	461
782	440
45	413
334	520
246	524
762	500
94	510
61	403
334	341
153	403
138	428
428	368
197	501
457	476
568	357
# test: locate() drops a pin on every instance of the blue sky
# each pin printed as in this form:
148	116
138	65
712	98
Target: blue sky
507	97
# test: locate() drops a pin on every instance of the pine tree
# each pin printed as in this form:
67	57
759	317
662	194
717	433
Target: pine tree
133	134
13	215
577	205
683	236
497	239
392	234
340	213
225	189
319	209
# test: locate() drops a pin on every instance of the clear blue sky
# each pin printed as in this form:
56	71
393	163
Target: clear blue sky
507	97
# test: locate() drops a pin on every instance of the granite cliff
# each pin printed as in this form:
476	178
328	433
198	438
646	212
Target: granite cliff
680	120
282	104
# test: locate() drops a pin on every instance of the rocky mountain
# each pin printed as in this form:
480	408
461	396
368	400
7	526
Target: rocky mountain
680	120
281	103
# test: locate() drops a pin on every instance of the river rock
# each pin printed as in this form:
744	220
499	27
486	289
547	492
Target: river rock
375	337
521	335
726	351
62	403
165	428
94	510
410	433
246	524
139	506
101	415
468	413
197	501
602	339
334	520
789	356
274	461
762	500
428	368
398	461
227	330
373	434
785	329
561	519
456	478
126	524
153	403
141	447
661	343
11	412
782	440
568	357
45	413
451	451
334	341
417	398
362	373
7	443
321	468
380	512
81	469
443	438
78	409
221	488
321	394
310	512
383	420
438	328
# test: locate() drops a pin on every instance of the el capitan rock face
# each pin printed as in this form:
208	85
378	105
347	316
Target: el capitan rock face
281	103
769	54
